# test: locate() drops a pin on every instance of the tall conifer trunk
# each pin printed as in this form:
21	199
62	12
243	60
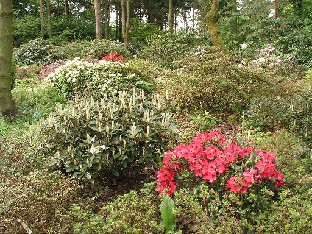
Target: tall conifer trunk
41	18
7	106
170	16
98	28
106	17
49	24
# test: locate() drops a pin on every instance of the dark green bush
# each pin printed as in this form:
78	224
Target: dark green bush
35	51
165	48
209	79
89	138
26	28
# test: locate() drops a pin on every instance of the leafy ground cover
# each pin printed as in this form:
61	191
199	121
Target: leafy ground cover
97	142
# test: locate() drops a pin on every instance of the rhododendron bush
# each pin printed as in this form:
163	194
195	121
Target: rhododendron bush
210	156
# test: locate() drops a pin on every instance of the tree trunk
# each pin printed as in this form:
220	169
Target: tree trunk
106	17
123	18
66	8
170	16
212	23
41	19
7	105
127	29
98	28
49	26
275	9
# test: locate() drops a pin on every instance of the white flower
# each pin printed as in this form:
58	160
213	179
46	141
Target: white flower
244	46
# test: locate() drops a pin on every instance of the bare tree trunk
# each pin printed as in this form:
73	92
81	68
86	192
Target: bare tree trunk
212	23
7	105
106	17
127	29
170	16
41	18
123	18
98	28
49	26
66	8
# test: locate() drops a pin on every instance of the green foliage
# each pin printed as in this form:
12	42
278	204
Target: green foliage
167	214
81	78
39	51
34	101
26	28
94	49
165	48
134	212
140	32
35	51
292	214
209	79
292	211
112	135
292	112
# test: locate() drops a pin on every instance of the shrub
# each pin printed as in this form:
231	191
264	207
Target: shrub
36	51
165	48
209	156
39	51
134	212
94	49
95	79
292	112
33	200
292	214
209	79
112	135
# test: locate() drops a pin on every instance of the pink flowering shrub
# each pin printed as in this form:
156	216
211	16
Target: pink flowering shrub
210	156
114	57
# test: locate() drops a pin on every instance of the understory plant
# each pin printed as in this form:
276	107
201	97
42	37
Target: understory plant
209	156
220	176
90	138
96	78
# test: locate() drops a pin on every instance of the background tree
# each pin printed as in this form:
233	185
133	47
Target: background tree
7	106
98	26
212	23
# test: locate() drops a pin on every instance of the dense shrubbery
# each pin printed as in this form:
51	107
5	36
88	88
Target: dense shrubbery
207	78
133	212
293	112
109	126
165	48
113	134
96	79
35	51
41	51
94	49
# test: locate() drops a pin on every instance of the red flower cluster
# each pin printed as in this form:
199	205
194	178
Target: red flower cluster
113	56
208	156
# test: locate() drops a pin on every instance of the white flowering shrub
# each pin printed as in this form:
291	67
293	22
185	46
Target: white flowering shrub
96	78
267	57
90	139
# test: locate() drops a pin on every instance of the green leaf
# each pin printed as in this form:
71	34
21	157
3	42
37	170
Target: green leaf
167	215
